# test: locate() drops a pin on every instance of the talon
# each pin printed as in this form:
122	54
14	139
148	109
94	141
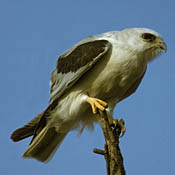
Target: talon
114	123
122	126
96	104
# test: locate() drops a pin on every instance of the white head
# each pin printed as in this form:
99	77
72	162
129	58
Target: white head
144	41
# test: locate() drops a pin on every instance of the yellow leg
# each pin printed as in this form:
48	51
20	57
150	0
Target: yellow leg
96	104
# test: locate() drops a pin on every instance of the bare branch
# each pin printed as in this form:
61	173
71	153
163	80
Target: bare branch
99	151
112	153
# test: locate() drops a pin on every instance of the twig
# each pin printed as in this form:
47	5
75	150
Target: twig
99	151
112	153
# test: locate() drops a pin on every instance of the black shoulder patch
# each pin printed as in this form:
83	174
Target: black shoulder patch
80	56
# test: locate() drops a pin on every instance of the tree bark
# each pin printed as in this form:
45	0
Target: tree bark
111	152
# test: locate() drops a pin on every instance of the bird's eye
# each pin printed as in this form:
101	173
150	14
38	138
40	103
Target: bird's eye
148	37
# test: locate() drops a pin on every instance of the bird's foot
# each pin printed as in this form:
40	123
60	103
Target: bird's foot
96	104
120	124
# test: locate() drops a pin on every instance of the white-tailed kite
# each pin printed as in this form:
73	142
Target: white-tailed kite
95	74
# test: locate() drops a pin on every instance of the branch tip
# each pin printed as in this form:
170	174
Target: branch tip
99	151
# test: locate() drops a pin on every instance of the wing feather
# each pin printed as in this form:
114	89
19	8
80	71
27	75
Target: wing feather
74	63
70	67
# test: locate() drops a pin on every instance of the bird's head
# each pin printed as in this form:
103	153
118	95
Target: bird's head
145	41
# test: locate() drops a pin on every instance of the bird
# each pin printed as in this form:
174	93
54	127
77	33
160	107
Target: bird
95	74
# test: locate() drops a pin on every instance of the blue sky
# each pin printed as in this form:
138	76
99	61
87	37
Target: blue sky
34	33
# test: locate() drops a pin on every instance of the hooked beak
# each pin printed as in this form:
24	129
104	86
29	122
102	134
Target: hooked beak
162	45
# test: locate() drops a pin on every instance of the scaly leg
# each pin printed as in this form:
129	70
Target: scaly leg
96	104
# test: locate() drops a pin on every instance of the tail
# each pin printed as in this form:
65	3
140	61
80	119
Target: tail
44	144
27	130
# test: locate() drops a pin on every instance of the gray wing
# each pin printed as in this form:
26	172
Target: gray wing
70	67
74	63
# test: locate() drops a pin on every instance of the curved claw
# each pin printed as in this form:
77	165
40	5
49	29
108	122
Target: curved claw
122	133
122	126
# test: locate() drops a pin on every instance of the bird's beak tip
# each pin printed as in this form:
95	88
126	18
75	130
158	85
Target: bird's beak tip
163	46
